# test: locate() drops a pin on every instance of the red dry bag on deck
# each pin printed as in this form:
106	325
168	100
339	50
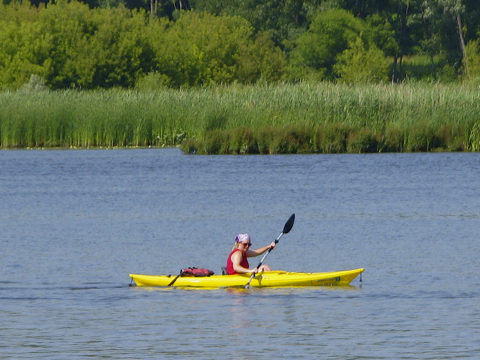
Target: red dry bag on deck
193	271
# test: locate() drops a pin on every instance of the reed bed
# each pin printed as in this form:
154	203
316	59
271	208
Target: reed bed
269	119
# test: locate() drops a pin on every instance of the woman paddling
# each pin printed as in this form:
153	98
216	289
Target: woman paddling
237	262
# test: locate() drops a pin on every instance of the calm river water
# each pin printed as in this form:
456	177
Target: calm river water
74	224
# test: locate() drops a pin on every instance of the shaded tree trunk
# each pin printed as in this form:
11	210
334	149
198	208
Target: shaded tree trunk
462	43
154	7
401	33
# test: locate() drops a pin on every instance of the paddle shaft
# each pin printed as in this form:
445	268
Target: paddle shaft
261	261
173	281
268	252
286	229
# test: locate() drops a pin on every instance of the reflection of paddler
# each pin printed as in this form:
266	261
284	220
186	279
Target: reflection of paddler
237	262
239	317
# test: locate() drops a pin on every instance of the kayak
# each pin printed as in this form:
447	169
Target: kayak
265	279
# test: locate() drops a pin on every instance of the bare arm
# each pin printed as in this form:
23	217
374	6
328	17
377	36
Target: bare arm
253	253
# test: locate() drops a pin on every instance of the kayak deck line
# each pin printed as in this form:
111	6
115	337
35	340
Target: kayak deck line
278	278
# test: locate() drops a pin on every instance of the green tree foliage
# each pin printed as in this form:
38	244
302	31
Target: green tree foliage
70	45
439	31
399	28
262	60
25	46
121	49
203	49
67	29
359	64
330	34
282	18
473	59
382	34
116	43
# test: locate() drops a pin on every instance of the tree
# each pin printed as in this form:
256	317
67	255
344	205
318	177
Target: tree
26	48
121	49
203	49
442	33
282	18
261	60
328	36
472	52
70	45
454	9
361	63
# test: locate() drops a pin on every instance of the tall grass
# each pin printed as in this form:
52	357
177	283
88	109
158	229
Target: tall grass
301	118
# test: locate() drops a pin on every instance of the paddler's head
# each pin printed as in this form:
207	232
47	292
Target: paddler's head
242	242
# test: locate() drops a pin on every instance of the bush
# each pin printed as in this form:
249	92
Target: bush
242	141
393	139
153	81
359	64
362	141
333	138
473	59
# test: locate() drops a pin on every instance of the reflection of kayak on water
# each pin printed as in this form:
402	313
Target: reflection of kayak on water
265	279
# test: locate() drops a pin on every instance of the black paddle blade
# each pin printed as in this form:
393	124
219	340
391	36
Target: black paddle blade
289	224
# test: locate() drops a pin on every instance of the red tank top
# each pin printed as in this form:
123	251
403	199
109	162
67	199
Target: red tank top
243	263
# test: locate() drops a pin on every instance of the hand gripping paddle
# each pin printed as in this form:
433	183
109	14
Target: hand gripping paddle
286	229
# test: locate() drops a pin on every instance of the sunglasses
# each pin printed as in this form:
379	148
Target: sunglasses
247	244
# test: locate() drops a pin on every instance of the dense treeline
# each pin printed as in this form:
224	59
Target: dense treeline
152	44
68	45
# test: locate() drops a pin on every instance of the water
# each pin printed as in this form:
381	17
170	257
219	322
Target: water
74	224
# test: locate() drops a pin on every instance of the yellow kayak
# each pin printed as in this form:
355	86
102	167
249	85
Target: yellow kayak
265	279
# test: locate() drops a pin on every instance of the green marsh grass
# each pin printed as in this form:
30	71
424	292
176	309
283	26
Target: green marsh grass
268	119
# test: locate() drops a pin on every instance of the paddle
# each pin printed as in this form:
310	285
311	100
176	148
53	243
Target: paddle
174	279
286	229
